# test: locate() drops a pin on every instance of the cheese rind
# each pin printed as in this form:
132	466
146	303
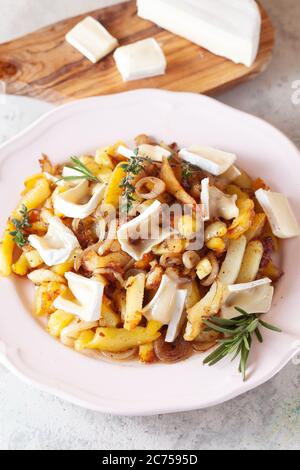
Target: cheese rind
279	212
143	59
91	39
154	152
229	28
70	203
208	159
57	245
88	294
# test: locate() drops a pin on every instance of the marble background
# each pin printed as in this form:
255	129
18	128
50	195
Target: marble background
266	418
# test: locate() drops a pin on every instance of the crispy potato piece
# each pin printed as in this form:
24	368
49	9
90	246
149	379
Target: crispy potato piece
233	261
90	163
6	251
119	339
154	277
146	353
45	296
215	230
244	180
251	262
68	265
119	298
271	271
259	183
58	321
173	186
203	268
243	222
109	317
113	192
103	157
216	244
34	197
135	288
41	276
33	258
209	305
257	226
193	295
187	226
174	246
21	266
232	190
91	261
84	339
31	181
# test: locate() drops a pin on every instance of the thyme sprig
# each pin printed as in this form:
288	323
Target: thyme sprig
238	339
19	234
132	169
85	173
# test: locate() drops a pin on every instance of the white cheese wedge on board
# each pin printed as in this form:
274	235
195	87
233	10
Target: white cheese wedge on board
142	59
154	152
138	236
168	303
57	245
208	159
253	297
88	295
232	263
79	202
279	212
229	28
91	39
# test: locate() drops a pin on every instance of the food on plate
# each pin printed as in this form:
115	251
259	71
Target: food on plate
129	260
142	59
230	28
91	39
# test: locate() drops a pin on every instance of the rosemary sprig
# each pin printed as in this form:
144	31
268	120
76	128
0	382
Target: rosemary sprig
81	168
132	168
19	235
238	339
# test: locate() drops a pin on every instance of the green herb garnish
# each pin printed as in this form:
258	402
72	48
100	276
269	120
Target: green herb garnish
85	173
239	333
19	235
132	168
187	170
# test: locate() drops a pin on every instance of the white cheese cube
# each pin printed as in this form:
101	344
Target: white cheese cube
91	39
229	28
142	59
279	212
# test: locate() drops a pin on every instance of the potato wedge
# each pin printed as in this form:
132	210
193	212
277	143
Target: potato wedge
232	189
233	261
193	295
257	226
216	244
251	262
21	266
135	288
203	268
146	353
45	296
58	321
119	339
109	317
33	258
6	251
173	186
215	230
243	222
41	276
244	180
209	305
113	191
34	197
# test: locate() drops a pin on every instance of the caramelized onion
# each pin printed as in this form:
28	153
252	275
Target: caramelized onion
158	187
121	356
115	273
170	259
190	259
214	273
177	351
175	276
202	347
205	341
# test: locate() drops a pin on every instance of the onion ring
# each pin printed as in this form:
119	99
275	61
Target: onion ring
158	187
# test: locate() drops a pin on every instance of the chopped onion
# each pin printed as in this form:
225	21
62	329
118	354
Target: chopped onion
117	275
214	273
172	352
190	259
170	259
121	356
158	187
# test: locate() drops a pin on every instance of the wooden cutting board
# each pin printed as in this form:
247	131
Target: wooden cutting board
43	65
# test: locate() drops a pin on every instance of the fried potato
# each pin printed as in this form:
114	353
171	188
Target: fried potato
34	197
114	192
244	180
215	230
193	295
103	157
33	258
45	296
271	271
41	276
233	261
257	226
173	186
31	181
135	288
209	305
119	339
58	321
6	251
243	222
216	244
232	190
146	353
203	268
251	262
21	266
109	317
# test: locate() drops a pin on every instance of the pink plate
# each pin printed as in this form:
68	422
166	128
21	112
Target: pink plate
130	388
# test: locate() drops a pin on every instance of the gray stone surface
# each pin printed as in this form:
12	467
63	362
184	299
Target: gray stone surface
266	418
